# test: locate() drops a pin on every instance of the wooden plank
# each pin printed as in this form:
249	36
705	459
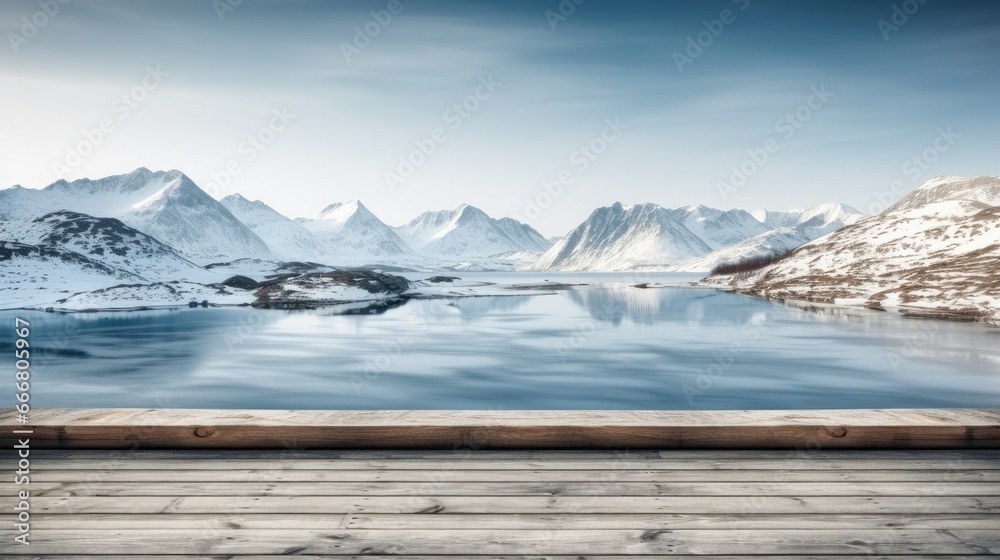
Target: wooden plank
473	418
455	475
267	488
125	463
111	522
569	456
472	542
516	504
843	429
489	557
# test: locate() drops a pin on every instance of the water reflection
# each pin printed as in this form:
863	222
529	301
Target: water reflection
619	303
604	346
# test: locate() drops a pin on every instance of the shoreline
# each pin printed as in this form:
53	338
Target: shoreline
957	316
546	288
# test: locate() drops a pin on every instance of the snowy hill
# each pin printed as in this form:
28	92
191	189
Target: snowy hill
285	238
624	237
357	236
984	189
34	275
936	250
166	205
106	241
468	232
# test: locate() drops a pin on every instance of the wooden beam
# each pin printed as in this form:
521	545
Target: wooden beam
477	430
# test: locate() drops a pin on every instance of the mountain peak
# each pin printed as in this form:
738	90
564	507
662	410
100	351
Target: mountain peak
468	232
340	211
235	197
172	174
467	212
352	204
237	200
141	170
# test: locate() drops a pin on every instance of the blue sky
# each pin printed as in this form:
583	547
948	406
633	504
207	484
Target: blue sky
330	113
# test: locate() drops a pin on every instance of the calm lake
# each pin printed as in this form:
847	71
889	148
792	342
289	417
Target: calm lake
606	345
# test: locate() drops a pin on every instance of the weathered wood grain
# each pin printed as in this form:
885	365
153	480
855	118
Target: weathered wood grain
858	556
446	541
516	504
568	456
104	522
858	429
302	463
266	488
468	501
479	475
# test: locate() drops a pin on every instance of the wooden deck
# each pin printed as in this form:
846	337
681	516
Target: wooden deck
468	502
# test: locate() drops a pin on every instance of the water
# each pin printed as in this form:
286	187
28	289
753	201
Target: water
604	346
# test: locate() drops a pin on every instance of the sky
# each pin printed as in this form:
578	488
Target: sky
539	110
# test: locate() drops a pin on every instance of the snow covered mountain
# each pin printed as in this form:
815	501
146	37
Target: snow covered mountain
693	238
523	235
357	236
286	238
772	243
624	237
719	228
468	232
166	205
791	229
107	241
936	250
814	221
